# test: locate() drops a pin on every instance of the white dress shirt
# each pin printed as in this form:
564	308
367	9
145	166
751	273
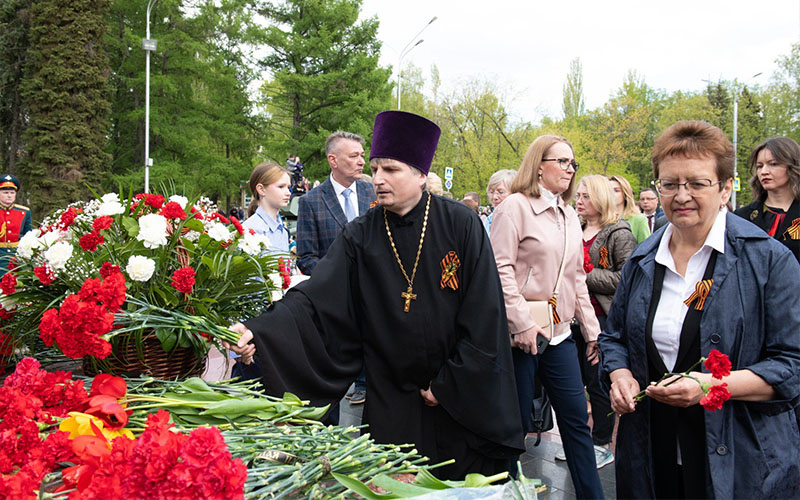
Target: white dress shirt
339	190
671	311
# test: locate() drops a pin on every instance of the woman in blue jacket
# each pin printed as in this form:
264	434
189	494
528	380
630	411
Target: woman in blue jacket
708	280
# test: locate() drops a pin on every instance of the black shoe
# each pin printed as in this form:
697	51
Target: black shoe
357	397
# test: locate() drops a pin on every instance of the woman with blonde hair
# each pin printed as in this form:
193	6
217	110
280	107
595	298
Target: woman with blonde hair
536	239
434	184
627	208
497	190
608	242
269	186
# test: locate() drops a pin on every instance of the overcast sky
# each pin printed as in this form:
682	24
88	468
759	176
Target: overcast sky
526	45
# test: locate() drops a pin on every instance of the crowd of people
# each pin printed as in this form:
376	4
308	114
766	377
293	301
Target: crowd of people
441	317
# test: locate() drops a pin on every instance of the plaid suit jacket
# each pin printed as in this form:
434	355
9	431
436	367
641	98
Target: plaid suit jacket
320	219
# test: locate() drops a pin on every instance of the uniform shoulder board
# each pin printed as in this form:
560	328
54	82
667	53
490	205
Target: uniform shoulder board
21	207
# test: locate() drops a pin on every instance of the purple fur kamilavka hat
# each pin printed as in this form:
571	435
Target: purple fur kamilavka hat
405	137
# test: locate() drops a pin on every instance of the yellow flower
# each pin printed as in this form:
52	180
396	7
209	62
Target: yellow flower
80	424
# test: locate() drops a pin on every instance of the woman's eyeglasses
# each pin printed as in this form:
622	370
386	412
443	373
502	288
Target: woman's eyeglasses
564	163
694	187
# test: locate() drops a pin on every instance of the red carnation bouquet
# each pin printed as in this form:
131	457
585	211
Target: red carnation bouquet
98	272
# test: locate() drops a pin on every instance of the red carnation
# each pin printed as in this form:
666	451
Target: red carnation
90	242
718	364
107	269
102	223
220	217
68	217
173	210
12	263
154	200
183	279
587	264
716	396
8	284
237	225
44	273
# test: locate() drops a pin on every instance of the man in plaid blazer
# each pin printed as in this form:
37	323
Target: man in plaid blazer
324	211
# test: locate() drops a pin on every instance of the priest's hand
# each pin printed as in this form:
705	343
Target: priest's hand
681	393
623	391
592	353
526	340
243	347
428	397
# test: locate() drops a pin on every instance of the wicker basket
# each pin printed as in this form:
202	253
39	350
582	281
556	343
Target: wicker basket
179	363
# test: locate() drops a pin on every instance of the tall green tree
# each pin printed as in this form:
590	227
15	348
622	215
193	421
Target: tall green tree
202	119
67	98
572	101
14	42
325	76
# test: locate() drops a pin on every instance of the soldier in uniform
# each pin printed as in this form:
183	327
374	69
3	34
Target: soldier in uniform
15	220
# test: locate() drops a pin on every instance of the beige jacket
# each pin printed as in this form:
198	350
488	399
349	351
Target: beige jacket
528	242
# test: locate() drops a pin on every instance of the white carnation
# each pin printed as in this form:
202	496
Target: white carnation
276	279
48	238
152	230
58	255
140	268
276	295
180	200
110	205
27	244
219	232
250	244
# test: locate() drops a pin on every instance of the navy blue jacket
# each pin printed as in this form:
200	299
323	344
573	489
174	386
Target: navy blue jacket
320	218
752	314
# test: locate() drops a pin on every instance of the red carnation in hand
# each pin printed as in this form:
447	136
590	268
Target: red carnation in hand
107	269
183	280
716	396
587	265
154	200
44	273
173	210
237	225
8	284
90	242
102	223
718	364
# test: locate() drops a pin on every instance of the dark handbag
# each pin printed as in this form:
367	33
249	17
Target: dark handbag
542	412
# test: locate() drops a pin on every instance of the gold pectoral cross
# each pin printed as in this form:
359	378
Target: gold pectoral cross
409	296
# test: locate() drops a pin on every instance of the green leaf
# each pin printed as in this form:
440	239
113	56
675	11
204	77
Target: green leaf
130	225
288	398
360	488
203	420
236	407
405	490
479	480
427	480
198	397
195	384
168	338
194	225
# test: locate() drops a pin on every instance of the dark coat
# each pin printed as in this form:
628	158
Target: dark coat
756	214
753	315
320	218
620	242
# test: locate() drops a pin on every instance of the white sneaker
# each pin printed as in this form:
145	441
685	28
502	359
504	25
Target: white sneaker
560	455
602	456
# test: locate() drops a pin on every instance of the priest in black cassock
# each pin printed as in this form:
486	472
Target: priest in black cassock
411	286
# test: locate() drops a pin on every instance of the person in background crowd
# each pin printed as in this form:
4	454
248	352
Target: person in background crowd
607	241
626	207
710	280
15	220
269	187
323	212
776	188
498	190
529	232
648	200
473	201
412	286
434	184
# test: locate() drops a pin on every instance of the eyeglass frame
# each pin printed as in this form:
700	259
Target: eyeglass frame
569	163
659	188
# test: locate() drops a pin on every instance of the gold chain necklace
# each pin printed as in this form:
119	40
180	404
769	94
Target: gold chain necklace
409	294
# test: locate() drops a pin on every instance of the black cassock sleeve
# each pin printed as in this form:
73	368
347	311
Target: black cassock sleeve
309	342
476	385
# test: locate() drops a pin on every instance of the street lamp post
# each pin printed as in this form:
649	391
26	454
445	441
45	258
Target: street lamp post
408	48
148	45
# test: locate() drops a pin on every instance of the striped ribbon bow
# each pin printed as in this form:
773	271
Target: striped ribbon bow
554	302
701	290
450	265
604	258
794	229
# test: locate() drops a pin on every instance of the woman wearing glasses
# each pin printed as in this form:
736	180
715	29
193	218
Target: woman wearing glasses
627	208
776	188
529	232
710	281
